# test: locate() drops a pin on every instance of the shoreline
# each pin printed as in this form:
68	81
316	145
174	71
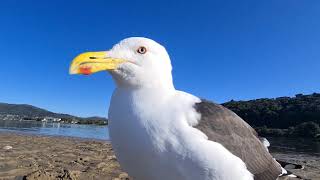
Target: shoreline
21	133
35	156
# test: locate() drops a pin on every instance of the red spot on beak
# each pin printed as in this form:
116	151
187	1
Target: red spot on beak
85	70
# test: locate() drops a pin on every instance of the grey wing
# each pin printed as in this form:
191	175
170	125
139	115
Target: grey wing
225	127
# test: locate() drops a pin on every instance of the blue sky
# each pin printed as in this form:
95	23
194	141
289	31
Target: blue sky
220	50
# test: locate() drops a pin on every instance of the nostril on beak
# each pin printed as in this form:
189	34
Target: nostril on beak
92	57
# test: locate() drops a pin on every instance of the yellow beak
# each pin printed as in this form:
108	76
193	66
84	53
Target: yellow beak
92	62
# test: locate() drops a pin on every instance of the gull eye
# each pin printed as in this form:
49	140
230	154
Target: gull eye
142	50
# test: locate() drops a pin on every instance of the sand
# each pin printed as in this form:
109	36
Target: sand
45	157
311	164
25	156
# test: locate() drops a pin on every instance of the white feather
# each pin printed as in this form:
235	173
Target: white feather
151	123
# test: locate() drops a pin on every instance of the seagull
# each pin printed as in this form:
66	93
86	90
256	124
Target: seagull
161	133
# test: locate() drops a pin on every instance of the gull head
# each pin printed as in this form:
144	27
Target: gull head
133	63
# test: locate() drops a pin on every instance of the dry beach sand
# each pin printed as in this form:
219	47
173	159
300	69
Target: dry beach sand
48	158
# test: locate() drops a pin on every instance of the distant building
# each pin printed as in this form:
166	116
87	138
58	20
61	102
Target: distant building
10	117
51	119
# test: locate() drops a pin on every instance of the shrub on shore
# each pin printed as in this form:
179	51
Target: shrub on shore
307	129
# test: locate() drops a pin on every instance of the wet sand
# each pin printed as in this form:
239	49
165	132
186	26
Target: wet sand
49	158
44	157
311	164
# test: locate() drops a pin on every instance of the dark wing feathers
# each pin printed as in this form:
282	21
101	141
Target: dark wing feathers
225	127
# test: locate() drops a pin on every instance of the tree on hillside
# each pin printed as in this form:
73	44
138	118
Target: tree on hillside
306	129
282	112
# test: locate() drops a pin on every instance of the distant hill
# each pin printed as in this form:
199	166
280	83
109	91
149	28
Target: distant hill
283	116
279	112
25	110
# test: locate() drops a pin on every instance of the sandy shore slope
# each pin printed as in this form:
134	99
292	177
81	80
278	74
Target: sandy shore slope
43	157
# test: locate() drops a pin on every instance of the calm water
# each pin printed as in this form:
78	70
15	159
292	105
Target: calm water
58	129
295	145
